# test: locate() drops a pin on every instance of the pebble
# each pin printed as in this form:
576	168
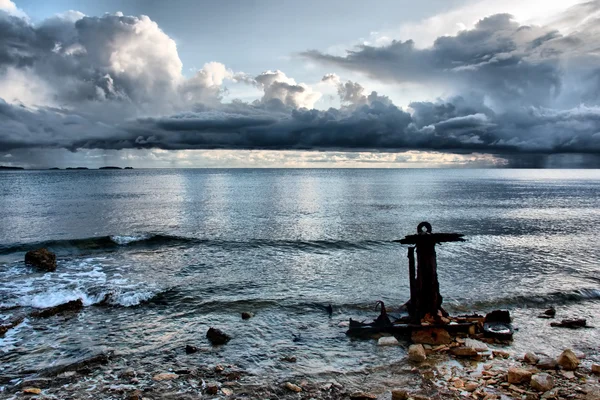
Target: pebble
416	353
596	369
400	394
363	396
568	360
547	363
518	375
293	388
227	392
471	386
531	358
212	388
387	341
542	382
164	377
32	391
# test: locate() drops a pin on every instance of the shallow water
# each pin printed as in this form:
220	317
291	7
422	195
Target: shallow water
181	250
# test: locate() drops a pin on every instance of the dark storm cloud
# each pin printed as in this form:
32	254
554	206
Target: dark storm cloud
115	82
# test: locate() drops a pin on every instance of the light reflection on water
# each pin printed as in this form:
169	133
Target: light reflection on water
284	244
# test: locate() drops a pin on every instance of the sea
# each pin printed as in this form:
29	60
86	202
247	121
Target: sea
176	251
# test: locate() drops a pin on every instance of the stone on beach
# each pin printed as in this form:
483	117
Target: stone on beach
31	390
41	258
471	386
387	341
465	352
518	375
292	388
542	382
568	360
416	353
400	394
165	377
476	344
363	396
547	363
596	369
432	336
531	358
217	336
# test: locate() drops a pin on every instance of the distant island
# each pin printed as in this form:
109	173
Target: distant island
77	168
110	167
10	168
7	168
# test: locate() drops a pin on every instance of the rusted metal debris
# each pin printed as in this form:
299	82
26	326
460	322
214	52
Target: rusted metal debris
425	312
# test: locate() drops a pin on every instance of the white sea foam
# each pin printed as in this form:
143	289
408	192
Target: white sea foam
127	239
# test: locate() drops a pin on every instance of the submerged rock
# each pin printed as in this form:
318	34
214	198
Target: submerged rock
41	258
10	324
570	323
416	353
217	336
542	382
568	360
71	306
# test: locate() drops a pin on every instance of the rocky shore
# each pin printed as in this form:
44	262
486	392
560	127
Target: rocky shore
465	368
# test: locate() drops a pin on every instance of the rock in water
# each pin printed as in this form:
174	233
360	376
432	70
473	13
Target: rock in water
189	349
432	336
416	353
568	360
217	336
71	306
542	382
41	258
519	375
570	323
247	315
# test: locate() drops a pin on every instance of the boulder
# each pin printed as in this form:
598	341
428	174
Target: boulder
217	336
247	315
519	375
531	358
71	306
432	336
568	360
416	353
542	382
547	363
41	258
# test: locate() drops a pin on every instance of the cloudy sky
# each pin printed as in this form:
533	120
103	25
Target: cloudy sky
267	83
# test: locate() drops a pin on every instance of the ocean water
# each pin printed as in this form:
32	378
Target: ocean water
179	251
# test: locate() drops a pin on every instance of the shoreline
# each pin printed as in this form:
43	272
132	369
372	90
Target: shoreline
488	375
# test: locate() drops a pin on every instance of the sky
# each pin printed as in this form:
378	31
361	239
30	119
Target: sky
439	83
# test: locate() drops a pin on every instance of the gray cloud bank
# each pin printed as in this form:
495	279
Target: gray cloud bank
115	82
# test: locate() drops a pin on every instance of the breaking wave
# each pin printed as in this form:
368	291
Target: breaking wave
156	240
